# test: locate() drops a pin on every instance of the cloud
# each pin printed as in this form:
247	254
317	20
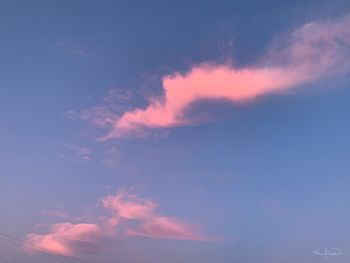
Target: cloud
129	215
109	109
147	222
129	206
312	52
66	239
70	115
112	157
56	213
76	48
84	153
99	116
61	215
167	228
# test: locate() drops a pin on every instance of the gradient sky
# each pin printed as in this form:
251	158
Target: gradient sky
174	131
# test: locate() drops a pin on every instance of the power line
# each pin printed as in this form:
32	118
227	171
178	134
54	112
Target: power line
19	243
13	241
8	260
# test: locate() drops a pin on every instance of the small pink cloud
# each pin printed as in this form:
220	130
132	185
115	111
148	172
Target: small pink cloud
167	228
126	207
65	239
314	51
129	206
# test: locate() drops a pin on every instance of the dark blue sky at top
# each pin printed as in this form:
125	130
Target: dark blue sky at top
270	176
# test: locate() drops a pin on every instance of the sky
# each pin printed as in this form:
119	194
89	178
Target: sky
174	131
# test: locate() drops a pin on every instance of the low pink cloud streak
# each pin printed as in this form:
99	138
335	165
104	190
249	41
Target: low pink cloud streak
313	51
129	207
65	239
130	215
167	228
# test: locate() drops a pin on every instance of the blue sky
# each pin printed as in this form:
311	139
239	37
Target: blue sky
174	132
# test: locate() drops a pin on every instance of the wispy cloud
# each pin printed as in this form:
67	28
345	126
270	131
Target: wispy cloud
66	239
107	111
56	213
83	153
314	51
167	228
129	215
112	157
129	206
77	48
125	207
61	215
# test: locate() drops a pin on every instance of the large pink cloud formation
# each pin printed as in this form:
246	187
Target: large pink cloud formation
313	51
129	215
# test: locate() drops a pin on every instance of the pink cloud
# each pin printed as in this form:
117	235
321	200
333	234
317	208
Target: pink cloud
167	228
130	215
127	207
313	51
107	112
99	116
65	239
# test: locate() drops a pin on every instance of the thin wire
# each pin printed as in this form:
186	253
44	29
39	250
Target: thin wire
8	260
19	242
11	242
